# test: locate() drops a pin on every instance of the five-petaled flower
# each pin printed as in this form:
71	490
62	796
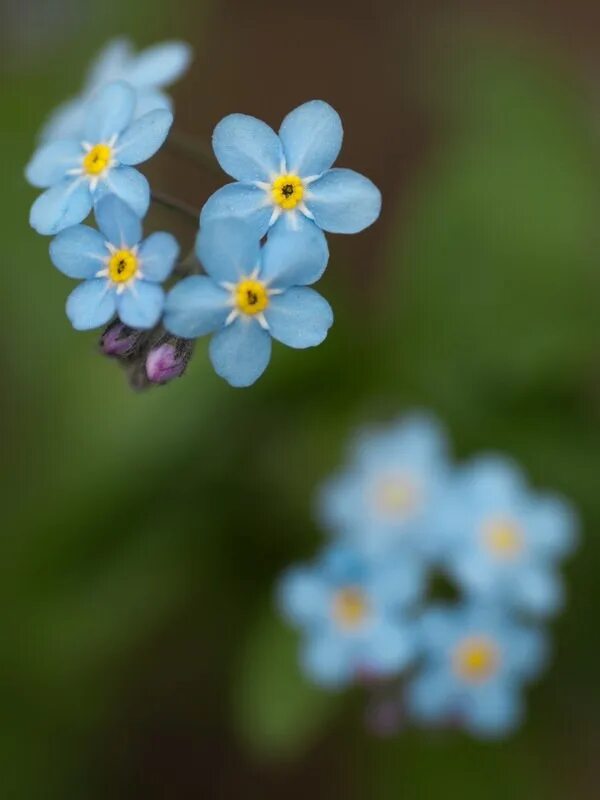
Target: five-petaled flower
474	661
148	72
502	541
78	173
120	272
355	614
387	495
250	294
288	176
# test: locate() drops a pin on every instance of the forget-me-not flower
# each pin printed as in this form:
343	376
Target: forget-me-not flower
77	173
120	272
148	72
289	175
354	614
387	495
503	541
252	294
474	662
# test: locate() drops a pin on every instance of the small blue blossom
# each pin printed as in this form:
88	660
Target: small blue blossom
148	72
355	615
474	662
77	173
120	272
252	294
386	496
504	542
289	176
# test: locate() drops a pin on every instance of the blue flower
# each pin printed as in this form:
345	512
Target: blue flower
147	72
289	175
474	662
79	172
354	613
386	496
120	273
503	542
252	294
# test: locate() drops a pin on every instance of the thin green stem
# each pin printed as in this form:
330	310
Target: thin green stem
194	149
174	204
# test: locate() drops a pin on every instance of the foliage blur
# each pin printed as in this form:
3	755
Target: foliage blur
142	533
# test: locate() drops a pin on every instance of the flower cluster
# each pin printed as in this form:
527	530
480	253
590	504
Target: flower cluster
261	240
406	523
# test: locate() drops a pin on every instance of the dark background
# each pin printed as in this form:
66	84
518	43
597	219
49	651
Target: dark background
140	655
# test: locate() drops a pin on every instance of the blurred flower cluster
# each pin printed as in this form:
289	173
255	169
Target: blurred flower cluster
436	583
261	240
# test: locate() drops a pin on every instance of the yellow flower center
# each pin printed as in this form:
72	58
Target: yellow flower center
287	191
475	659
503	538
122	266
97	159
350	607
394	496
251	296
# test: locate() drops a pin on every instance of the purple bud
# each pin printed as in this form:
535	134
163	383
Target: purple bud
119	340
168	360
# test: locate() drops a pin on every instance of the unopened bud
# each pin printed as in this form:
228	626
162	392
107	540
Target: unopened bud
168	359
120	341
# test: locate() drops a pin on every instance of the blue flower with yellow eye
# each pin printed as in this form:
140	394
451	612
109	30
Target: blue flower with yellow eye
289	176
252	294
121	273
503	542
386	497
474	661
355	615
77	173
148	72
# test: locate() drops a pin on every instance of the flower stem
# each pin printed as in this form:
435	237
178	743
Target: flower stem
194	149
174	204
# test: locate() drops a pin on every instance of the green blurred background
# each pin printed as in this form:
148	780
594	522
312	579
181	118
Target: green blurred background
140	655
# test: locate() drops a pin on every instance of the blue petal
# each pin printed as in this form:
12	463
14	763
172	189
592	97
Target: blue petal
551	525
303	596
240	201
327	661
51	161
150	100
109	112
294	257
494	710
526	652
159	65
429	695
118	222
299	317
196	306
66	122
240	352
144	137
141	305
342	201
389	648
66	204
538	591
397	583
247	148
312	138
79	252
129	185
91	304
158	254
110	64
228	249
